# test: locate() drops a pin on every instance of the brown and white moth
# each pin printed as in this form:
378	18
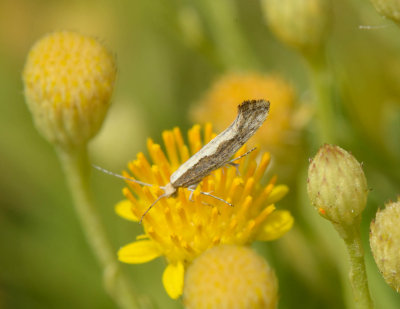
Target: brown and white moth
216	153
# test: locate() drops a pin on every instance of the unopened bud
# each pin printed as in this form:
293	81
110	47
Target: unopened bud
388	8
301	24
68	79
337	186
384	239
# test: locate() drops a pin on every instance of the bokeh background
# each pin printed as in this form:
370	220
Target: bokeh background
169	54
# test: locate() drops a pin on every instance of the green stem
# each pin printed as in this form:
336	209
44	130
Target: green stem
357	275
321	82
233	50
77	170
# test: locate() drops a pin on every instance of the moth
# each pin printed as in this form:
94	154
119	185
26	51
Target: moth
215	154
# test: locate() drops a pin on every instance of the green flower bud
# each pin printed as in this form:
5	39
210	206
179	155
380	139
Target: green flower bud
301	24
68	82
388	8
384	239
337	186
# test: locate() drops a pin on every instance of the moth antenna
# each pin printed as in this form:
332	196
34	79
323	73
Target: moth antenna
243	155
216	197
151	206
120	176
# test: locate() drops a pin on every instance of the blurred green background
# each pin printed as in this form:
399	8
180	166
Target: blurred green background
163	69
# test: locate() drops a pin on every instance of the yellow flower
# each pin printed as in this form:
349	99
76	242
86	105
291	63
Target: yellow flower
68	79
230	277
218	104
180	229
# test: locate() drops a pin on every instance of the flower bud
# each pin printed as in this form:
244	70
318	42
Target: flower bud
298	23
230	277
337	186
388	8
68	82
384	239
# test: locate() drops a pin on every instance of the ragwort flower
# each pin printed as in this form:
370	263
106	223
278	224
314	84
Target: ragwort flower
217	105
227	277
68	82
181	229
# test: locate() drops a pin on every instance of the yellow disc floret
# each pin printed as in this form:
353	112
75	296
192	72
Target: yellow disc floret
230	277
68	79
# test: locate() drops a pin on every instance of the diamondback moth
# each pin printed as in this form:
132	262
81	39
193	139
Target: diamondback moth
215	154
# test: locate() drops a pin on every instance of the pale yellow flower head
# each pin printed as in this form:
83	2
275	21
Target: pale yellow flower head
301	24
230	277
180	229
68	82
385	243
218	105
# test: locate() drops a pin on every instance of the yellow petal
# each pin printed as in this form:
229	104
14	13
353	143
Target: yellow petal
277	193
173	279
142	236
139	252
276	225
124	210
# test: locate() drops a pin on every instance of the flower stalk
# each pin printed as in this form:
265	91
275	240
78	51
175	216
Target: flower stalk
338	190
231	45
68	113
357	275
77	172
321	83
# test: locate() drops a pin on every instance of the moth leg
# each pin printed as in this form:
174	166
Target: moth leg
236	165
151	206
213	196
243	155
192	188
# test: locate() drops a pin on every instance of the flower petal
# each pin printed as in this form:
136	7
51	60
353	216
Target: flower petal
139	252
277	193
276	225
142	236
173	279
124	210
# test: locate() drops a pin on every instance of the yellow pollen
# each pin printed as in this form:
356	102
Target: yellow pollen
169	142
175	240
168	217
194	139
244	210
263	215
248	187
182	214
